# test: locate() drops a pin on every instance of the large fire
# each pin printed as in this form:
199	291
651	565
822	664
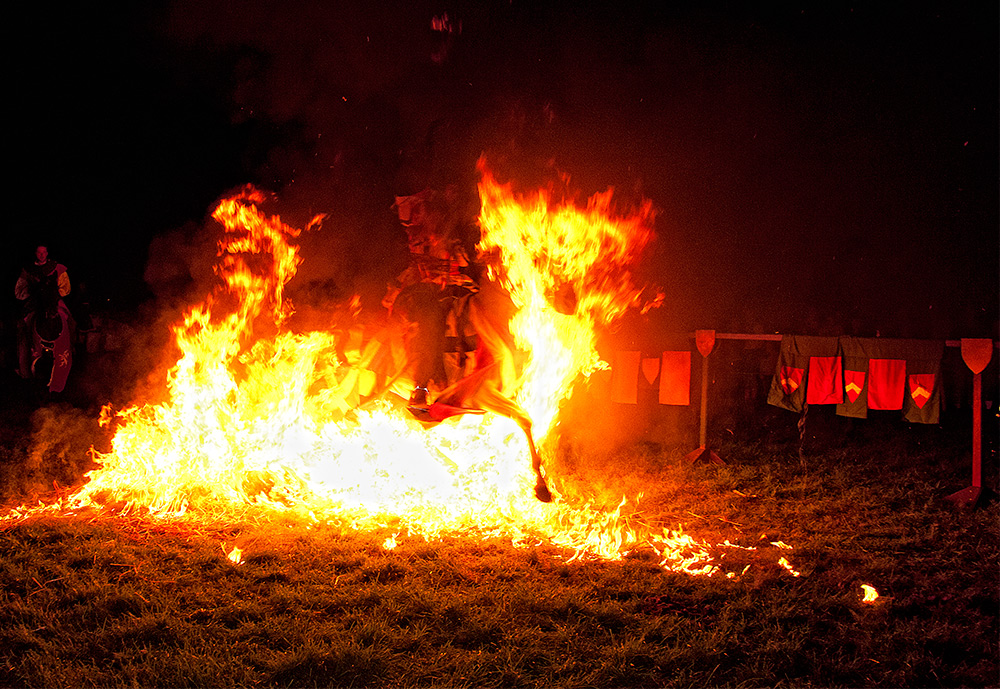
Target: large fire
257	417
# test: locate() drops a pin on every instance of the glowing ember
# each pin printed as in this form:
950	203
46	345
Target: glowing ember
235	555
869	594
783	561
258	417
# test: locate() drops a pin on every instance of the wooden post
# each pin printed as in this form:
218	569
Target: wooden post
703	416
977	354
977	430
705	340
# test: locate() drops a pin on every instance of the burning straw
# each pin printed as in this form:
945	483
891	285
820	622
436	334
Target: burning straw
258	419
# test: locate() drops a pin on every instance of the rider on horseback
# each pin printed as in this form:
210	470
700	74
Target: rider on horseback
437	288
41	286
437	282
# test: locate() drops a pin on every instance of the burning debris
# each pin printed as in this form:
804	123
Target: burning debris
235	555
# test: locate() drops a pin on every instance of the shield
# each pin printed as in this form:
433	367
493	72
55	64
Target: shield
921	387
854	384
977	353
51	348
650	369
791	378
705	340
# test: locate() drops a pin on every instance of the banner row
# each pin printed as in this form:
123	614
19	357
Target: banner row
858	374
855	374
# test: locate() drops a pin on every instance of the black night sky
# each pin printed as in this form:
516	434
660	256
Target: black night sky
818	168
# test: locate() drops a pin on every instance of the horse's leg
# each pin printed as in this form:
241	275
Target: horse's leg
489	396
491	399
542	491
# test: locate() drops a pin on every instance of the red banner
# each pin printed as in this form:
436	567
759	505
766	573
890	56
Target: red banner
625	377
886	383
675	378
825	380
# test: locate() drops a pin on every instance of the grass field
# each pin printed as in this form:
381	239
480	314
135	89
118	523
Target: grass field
110	601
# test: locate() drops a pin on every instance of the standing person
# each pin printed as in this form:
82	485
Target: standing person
41	286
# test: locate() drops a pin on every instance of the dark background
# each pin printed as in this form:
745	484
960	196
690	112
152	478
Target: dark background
819	168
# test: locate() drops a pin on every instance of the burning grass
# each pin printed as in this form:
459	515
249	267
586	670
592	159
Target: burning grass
255	415
117	601
255	523
254	412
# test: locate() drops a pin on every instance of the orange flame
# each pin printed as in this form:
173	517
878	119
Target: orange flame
257	417
548	249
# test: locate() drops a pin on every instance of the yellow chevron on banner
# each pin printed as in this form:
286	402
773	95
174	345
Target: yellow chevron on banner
790	384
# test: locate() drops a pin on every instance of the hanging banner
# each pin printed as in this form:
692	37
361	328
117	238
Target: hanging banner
856	352
794	375
922	403
892	374
625	377
675	378
826	380
886	383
